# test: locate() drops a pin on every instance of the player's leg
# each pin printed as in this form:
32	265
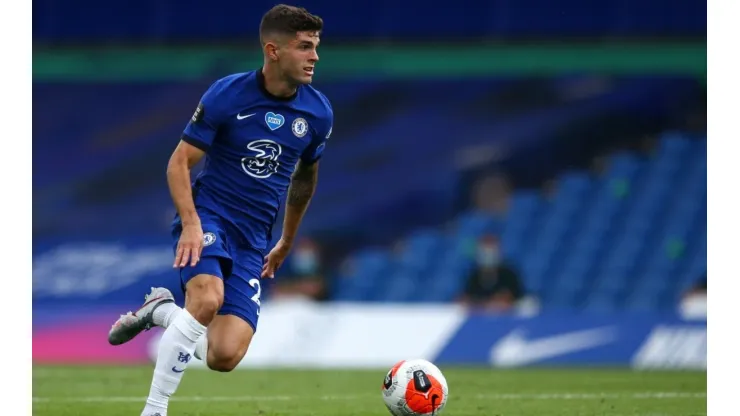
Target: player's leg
159	309
228	339
230	335
204	296
231	332
232	338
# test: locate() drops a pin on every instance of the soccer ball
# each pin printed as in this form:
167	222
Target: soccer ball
415	388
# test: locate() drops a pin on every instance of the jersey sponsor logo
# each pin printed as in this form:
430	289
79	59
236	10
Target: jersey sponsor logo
198	114
274	121
264	160
208	239
300	127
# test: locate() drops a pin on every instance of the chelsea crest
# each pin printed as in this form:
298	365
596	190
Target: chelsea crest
300	127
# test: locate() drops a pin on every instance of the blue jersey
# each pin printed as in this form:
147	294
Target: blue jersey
253	141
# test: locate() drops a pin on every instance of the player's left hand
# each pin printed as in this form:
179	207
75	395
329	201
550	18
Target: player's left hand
275	258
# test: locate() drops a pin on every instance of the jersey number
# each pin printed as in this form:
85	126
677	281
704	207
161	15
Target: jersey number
262	160
255	283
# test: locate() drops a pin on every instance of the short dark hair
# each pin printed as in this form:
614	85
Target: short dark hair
288	20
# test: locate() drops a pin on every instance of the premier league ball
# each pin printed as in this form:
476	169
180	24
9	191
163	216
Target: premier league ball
415	388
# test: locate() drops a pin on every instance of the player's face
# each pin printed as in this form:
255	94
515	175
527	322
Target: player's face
299	57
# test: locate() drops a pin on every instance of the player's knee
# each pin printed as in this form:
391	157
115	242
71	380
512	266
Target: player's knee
224	358
205	295
222	365
205	308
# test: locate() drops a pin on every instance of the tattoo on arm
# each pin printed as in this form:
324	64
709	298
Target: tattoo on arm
303	184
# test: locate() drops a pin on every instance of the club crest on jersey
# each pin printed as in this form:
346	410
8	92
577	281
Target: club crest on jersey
300	127
208	239
262	161
274	121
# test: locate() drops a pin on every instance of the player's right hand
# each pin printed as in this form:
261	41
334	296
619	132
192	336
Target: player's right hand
190	246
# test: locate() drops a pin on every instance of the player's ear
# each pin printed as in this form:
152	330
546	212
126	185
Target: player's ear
271	51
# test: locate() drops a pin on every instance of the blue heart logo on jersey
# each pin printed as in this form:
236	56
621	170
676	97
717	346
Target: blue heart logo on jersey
274	121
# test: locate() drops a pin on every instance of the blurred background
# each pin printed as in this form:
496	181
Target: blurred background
499	170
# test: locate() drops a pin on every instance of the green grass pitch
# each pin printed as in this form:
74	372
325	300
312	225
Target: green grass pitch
119	391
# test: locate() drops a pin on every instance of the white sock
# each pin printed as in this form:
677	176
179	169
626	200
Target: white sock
165	314
175	350
163	317
201	347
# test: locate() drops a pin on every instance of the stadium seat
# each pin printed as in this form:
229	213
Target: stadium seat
624	239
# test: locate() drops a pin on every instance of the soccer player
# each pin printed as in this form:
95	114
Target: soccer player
262	133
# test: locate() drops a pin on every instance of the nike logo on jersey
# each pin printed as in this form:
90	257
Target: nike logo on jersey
241	117
176	370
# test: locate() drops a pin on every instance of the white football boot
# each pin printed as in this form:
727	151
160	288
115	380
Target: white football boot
130	325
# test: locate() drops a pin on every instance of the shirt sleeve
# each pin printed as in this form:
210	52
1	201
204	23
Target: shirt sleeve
315	149
203	126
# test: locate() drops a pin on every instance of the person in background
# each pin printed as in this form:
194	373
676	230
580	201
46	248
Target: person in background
304	274
492	284
491	194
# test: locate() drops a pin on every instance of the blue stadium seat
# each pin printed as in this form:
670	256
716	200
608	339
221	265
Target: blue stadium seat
632	238
601	303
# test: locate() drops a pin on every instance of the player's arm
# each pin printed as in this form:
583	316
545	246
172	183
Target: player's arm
300	192
302	186
303	182
181	163
198	136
